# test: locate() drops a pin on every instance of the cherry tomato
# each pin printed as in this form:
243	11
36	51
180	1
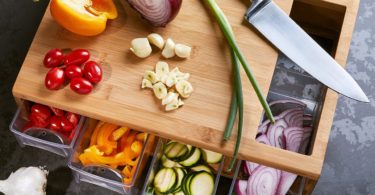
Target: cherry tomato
27	126
41	110
38	121
55	123
73	118
92	72
77	57
81	85
66	125
54	79
57	112
53	58
73	71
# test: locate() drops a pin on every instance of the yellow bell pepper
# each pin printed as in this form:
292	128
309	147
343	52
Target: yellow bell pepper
83	17
104	138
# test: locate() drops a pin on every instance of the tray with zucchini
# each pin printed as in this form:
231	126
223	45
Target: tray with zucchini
184	170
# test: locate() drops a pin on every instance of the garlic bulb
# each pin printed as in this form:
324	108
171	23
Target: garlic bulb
25	181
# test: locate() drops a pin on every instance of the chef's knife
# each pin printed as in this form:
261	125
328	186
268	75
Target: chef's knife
295	43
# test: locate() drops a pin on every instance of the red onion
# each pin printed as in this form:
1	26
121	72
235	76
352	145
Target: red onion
263	181
293	138
275	132
286	180
249	167
305	139
158	12
240	187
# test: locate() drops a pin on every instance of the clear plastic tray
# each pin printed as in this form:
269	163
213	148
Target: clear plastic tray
155	165
106	176
43	138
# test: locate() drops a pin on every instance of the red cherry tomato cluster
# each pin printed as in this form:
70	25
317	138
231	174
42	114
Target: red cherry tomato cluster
52	118
74	67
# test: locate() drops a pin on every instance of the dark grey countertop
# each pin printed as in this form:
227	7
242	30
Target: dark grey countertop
350	160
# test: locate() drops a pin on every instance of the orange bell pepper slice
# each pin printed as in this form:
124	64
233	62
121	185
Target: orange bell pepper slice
119	133
104	138
83	17
94	135
94	155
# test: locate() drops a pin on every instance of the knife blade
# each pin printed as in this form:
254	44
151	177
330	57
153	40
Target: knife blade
295	43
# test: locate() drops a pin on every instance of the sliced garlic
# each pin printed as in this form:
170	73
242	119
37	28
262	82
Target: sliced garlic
180	102
141	47
182	51
172	106
161	69
184	88
156	40
160	90
180	75
151	76
171	96
146	83
168	51
171	79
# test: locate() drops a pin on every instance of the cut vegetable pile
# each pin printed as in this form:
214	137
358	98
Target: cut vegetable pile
291	131
168	86
185	170
115	146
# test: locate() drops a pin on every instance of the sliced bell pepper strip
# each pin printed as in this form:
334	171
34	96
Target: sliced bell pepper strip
94	135
141	136
94	155
104	141
83	17
118	133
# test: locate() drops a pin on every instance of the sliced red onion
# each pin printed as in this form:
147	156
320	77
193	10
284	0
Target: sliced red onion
293	117
263	181
305	139
240	187
275	133
286	181
293	138
249	167
157	12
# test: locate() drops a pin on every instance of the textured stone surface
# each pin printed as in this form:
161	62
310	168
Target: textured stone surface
349	166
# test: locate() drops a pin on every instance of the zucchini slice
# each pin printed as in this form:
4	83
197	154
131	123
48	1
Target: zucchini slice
176	150
211	157
202	183
165	180
193	159
180	176
179	193
169	163
186	183
150	191
201	168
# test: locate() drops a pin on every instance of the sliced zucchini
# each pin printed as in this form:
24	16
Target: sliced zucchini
179	193
180	176
211	157
201	168
175	150
169	163
150	191
202	183
186	183
193	159
165	180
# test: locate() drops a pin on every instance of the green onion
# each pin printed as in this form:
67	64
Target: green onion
225	27
232	112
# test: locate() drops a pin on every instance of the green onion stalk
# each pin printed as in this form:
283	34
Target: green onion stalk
237	97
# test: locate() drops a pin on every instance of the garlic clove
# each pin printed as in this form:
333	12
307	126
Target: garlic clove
156	40
168	51
146	83
171	79
161	68
182	51
151	76
184	88
160	90
171	96
180	75
180	102
172	105
141	47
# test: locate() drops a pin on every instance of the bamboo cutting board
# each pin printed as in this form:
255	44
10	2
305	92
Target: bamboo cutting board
119	99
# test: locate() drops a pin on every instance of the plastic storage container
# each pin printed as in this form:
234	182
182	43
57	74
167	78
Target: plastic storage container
156	164
105	176
43	138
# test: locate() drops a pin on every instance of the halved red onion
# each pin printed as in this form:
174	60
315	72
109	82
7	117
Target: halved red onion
240	187
286	181
293	138
157	12
263	181
275	133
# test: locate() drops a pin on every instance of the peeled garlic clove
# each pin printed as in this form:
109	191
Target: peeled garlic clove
161	68
151	76
171	79
156	40
160	90
168	51
146	83
182	51
180	102
180	75
141	47
172	106
171	96
184	88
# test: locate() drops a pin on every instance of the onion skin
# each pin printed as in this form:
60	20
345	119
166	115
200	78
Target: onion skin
158	12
